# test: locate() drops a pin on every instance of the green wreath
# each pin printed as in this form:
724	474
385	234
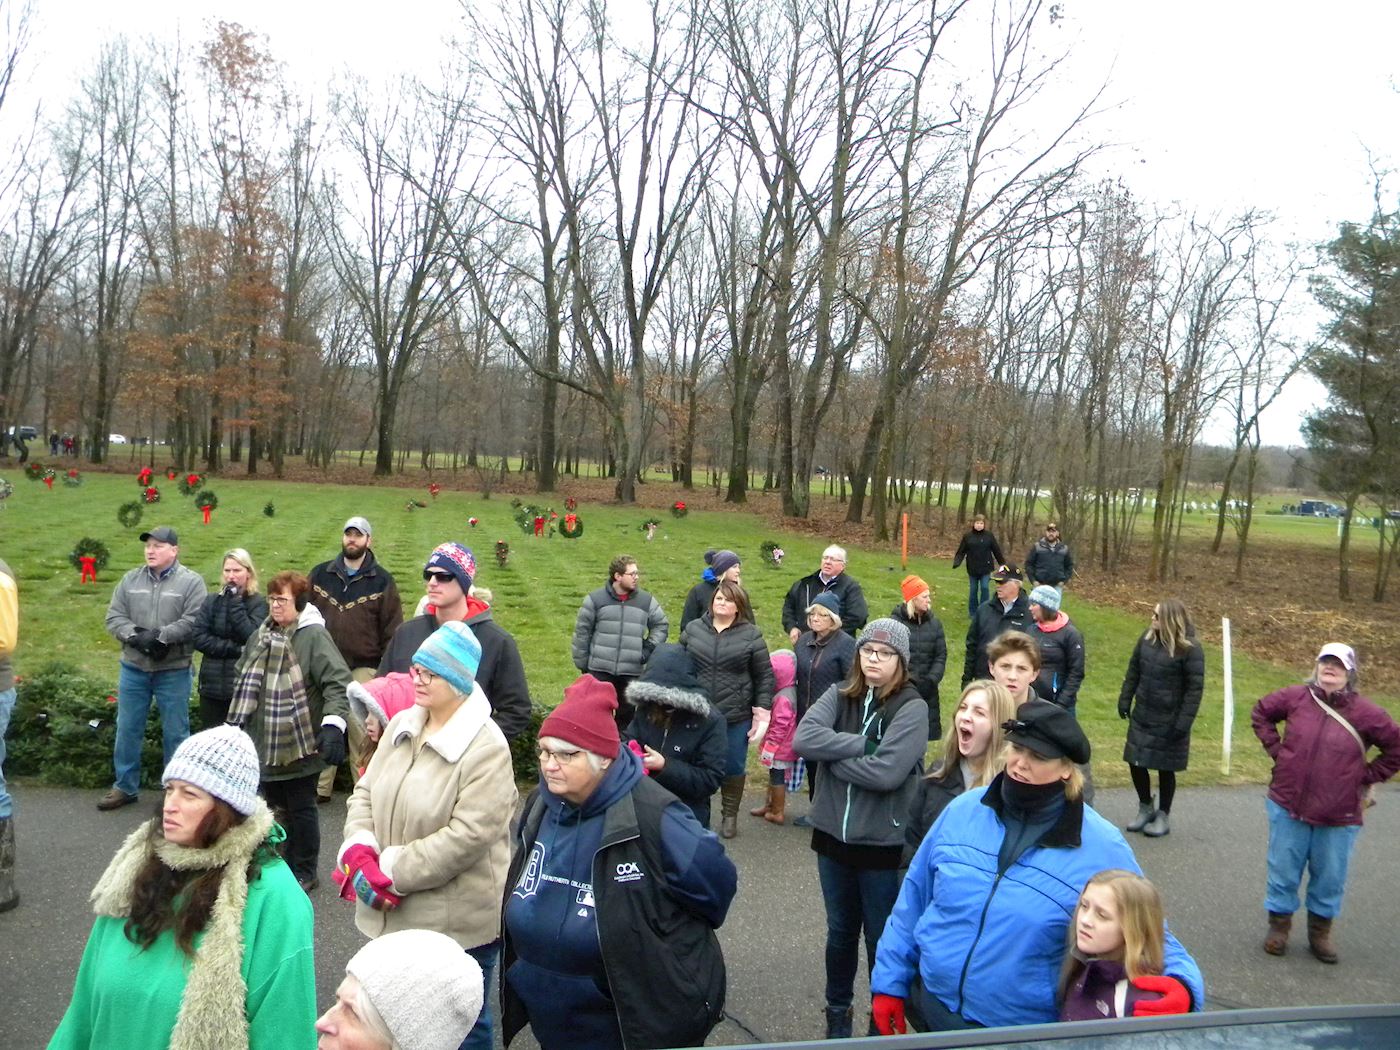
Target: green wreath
95	549
206	498
73	479
34	471
129	514
191	483
571	533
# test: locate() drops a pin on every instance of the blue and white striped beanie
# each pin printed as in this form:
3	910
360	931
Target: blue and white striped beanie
222	761
453	653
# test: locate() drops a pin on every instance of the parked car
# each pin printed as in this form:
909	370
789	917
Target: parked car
116	439
25	433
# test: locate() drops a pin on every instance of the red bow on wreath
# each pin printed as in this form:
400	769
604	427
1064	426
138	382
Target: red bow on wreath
88	565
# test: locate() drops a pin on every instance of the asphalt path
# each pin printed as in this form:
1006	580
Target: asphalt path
1210	870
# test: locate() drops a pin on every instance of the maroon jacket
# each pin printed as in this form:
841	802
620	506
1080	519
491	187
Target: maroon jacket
1320	773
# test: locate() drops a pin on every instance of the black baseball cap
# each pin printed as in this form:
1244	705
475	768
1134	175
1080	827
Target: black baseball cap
161	534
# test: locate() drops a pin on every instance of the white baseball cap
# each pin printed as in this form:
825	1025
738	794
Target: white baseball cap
1344	653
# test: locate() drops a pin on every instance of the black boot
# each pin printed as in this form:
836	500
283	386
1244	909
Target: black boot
8	897
838	1023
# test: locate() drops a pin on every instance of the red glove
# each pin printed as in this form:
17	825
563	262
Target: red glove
888	1014
640	752
1175	999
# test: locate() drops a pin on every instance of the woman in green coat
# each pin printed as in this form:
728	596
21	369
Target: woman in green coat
202	938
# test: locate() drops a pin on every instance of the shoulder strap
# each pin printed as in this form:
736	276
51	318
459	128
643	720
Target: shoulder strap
1341	720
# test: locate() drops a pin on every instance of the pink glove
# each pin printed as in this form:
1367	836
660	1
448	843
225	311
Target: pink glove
887	1012
640	752
366	879
1175	999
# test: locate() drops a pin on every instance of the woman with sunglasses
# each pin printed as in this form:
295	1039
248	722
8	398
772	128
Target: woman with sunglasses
869	735
290	698
615	895
427	830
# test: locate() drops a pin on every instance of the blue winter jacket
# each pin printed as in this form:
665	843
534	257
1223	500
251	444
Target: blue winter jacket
988	946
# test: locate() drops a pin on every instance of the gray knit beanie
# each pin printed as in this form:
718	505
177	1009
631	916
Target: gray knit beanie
887	632
424	987
222	761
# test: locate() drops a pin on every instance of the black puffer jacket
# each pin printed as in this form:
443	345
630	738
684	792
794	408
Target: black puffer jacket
935	792
820	665
1061	662
732	666
1050	563
928	656
697	602
1160	696
225	624
981	550
990	623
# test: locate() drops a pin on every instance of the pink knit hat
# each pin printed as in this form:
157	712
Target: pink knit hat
382	697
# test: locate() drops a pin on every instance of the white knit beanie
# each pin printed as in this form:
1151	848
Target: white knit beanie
222	761
425	988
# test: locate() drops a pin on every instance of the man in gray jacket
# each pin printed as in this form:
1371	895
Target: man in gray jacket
153	614
618	626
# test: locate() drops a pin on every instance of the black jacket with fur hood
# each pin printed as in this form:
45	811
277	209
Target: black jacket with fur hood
675	719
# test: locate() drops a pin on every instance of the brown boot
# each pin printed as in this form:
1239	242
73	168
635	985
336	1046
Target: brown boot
1320	939
731	793
777	805
1280	925
762	811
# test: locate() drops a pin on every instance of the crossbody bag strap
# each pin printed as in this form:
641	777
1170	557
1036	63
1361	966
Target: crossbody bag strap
1341	720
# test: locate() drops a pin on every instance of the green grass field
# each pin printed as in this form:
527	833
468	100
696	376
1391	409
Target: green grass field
537	594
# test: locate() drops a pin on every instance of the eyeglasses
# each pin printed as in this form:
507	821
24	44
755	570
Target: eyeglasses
563	758
635	573
280	599
422	674
440	577
878	656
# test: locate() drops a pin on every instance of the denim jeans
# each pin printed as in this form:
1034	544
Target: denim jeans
1325	852
135	690
737	748
479	1038
7	707
979	590
856	899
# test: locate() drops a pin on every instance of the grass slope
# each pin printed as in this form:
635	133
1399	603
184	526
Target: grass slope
537	594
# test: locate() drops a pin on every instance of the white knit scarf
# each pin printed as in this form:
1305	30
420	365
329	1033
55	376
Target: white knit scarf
213	1014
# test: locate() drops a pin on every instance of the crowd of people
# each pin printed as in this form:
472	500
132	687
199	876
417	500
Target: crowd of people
984	887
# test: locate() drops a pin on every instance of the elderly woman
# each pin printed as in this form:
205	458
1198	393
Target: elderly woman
978	934
202	937
615	894
227	620
380	1005
290	698
1320	786
1160	697
732	665
970	755
869	734
928	649
825	656
719	565
427	830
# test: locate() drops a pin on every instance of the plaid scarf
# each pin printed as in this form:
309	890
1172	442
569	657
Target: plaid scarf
271	678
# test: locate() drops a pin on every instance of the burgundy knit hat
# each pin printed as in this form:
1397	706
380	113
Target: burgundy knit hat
585	717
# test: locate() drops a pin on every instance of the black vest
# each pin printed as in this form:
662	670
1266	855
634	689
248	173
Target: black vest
664	965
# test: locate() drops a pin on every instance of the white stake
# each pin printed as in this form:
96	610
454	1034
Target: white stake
1227	673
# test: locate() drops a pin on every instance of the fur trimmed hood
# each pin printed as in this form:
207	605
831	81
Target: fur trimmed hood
692	701
212	1012
668	680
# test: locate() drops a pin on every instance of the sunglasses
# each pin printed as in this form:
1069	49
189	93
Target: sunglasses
440	577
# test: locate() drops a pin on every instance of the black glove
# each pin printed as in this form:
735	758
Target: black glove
142	639
230	590
157	650
330	742
1123	707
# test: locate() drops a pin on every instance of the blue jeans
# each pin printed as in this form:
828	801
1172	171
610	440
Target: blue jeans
135	690
7	707
479	1038
1325	852
737	748
855	898
979	590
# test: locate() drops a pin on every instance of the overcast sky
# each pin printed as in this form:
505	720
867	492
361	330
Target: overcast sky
1218	105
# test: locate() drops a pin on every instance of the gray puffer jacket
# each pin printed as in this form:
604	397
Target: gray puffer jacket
616	635
732	665
872	756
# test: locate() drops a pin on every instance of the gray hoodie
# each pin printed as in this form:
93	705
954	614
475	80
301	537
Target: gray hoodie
870	764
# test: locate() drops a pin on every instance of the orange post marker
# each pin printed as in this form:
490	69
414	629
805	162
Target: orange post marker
904	540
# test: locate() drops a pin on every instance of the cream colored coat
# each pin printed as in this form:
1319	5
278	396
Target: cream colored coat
438	811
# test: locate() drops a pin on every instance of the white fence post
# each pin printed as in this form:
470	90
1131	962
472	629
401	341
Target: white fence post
1228	673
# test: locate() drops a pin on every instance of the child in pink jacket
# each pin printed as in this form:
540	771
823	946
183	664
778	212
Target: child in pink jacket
776	751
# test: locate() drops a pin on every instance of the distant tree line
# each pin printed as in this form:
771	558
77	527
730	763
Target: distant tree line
740	240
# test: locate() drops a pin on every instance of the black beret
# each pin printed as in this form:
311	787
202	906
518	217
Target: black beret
1049	730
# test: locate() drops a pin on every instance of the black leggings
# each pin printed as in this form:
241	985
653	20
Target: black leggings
1142	782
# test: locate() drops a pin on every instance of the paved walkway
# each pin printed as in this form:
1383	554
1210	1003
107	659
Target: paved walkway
1211	871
